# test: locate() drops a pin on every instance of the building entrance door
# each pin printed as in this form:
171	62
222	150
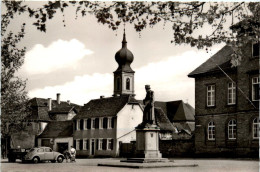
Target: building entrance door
92	146
61	147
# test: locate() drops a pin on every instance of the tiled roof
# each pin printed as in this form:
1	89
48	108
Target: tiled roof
56	129
102	107
39	107
177	110
221	58
162	121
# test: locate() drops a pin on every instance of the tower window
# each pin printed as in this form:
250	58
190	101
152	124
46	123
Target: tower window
128	84
118	83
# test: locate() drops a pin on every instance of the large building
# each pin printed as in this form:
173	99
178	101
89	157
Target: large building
103	123
227	104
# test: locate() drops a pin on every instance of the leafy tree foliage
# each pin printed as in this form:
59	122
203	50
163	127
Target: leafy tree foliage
14	99
230	22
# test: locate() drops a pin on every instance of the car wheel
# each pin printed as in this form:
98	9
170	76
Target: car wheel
53	161
60	159
36	160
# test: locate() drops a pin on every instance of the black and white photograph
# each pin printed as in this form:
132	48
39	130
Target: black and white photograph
143	86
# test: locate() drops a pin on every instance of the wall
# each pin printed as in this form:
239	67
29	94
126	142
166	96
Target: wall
68	140
128	118
244	145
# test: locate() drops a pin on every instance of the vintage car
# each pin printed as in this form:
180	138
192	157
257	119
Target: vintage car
43	154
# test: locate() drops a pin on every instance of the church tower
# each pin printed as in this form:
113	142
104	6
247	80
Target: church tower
124	75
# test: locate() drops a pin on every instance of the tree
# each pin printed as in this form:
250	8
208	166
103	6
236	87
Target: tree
186	18
14	98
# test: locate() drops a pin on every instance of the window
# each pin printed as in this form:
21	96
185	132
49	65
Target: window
93	123
89	123
77	144
127	84
85	124
232	129
85	144
255	88
255	49
97	123
231	93
109	123
118	83
105	123
109	144
78	124
100	144
211	95
40	150
256	128
211	131
48	150
100	123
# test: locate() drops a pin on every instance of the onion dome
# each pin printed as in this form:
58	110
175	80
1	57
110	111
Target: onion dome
124	57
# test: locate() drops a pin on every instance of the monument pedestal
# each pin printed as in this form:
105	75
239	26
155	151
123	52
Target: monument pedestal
147	145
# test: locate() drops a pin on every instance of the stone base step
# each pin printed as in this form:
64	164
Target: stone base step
145	160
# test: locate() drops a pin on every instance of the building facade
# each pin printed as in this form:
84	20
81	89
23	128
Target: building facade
227	104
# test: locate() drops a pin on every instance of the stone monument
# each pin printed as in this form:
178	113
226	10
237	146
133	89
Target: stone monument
147	134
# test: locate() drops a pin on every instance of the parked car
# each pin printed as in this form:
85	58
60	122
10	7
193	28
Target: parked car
18	153
43	154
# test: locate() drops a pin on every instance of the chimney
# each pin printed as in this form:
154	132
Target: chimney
58	98
49	103
68	101
101	97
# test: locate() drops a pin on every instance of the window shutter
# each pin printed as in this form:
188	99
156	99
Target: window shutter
113	122
81	124
81	145
89	123
104	144
87	144
112	140
97	144
74	143
97	123
75	124
105	123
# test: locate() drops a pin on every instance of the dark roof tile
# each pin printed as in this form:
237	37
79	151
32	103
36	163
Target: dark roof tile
55	129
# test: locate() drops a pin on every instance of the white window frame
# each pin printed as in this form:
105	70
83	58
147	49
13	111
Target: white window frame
85	124
255	80
100	144
211	131
211	90
77	144
109	141
109	123
101	123
93	123
255	128
84	144
233	128
231	99
78	124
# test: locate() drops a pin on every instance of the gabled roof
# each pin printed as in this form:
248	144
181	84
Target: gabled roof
221	58
105	107
55	129
162	121
177	111
40	109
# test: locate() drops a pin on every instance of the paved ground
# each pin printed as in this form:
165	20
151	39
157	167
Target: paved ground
90	165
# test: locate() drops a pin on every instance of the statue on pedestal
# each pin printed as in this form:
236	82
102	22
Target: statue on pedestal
148	114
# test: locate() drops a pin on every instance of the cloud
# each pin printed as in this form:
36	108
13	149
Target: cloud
80	90
167	78
59	54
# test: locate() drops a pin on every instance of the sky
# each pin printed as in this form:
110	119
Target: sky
78	60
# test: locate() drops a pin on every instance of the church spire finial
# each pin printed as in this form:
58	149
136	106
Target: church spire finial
124	42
